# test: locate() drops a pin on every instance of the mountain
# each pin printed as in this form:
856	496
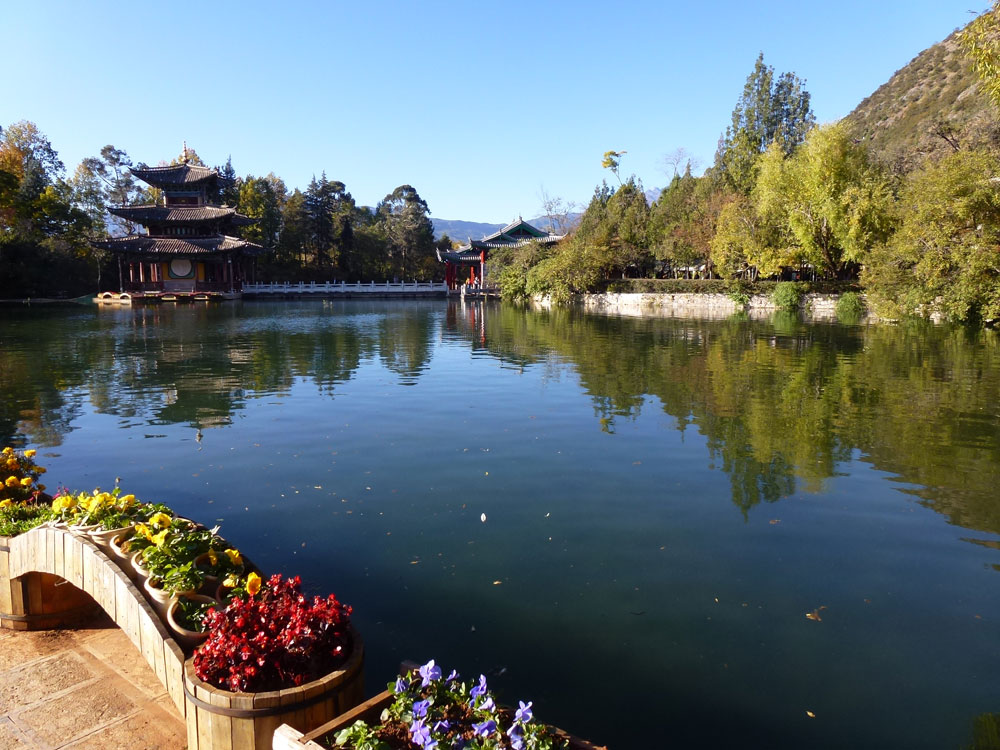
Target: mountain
930	106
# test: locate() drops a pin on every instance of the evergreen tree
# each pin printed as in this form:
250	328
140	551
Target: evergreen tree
767	111
406	222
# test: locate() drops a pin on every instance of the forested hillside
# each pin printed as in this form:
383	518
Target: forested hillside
931	106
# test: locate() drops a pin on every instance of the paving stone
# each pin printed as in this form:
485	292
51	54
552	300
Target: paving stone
11	738
76	713
115	651
147	730
22	686
17	651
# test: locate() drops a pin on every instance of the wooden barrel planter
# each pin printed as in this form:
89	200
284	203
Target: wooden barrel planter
37	600
222	720
287	737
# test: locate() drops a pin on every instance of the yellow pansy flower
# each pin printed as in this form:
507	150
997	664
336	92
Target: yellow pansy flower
160	538
8	451
253	584
63	502
234	557
30	453
12	481
230	581
27	482
213	558
160	520
6	503
143	530
126	501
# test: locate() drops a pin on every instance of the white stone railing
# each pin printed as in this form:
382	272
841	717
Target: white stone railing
341	287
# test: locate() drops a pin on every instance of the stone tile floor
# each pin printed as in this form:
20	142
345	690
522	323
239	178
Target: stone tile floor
85	689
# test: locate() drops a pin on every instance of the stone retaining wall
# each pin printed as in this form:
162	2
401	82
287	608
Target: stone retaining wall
813	306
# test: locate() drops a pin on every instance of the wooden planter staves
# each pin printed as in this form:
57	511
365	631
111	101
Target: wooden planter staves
51	576
289	738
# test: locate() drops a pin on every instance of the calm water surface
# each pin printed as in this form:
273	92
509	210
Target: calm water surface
665	500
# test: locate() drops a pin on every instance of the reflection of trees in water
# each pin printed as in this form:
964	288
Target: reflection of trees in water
187	364
782	404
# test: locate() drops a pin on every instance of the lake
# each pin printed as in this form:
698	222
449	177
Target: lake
665	532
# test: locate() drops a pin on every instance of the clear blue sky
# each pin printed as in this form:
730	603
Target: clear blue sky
478	105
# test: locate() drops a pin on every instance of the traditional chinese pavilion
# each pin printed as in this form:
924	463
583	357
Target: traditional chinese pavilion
475	255
190	249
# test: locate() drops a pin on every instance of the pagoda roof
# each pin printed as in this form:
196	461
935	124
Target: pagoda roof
177	214
146	245
176	175
519	227
515	234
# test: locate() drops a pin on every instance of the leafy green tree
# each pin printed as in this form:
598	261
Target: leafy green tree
981	42
835	204
406	223
766	112
325	202
682	223
290	248
261	198
945	256
229	184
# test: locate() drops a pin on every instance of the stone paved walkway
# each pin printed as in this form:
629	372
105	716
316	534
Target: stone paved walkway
86	689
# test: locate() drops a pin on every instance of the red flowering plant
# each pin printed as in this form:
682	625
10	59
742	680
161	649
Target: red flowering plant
272	638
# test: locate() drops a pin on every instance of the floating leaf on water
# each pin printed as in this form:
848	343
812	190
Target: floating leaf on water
483	518
814	615
497	583
774	521
810	714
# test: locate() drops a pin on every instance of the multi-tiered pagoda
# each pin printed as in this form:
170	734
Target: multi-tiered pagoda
190	249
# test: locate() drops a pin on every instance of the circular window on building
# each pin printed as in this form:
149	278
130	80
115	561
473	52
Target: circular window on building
181	268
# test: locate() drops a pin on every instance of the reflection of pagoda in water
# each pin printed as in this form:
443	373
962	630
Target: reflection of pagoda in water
190	250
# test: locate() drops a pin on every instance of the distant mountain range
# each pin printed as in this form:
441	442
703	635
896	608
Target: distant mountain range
461	231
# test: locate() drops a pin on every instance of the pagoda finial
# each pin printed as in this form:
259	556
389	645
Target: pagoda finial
184	153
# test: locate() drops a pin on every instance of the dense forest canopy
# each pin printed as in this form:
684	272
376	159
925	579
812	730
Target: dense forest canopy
903	195
49	221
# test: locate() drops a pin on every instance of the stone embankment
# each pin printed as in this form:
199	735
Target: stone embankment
813	306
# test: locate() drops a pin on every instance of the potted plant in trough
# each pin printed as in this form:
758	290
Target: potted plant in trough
186	617
274	656
425	709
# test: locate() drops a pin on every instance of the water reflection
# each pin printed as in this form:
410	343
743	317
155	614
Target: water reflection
781	403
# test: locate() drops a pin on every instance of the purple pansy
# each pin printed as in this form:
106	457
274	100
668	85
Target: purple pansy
485	729
430	672
479	689
420	733
516	734
453	676
488	704
400	686
420	708
442	726
523	712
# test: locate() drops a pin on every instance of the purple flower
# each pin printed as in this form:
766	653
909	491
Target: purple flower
420	733
420	708
488	704
430	672
453	676
400	686
479	689
523	712
442	726
485	729
516	734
